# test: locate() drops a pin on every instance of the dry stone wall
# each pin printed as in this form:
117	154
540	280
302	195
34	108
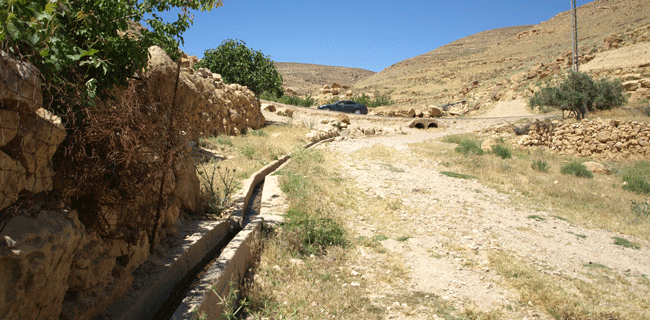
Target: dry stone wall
600	139
52	266
211	106
29	134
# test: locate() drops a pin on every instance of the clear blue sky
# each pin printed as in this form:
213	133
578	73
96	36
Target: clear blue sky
363	34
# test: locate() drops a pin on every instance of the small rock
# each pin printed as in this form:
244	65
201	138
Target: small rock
7	242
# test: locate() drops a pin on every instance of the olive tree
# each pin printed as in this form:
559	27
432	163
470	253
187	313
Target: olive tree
236	63
580	94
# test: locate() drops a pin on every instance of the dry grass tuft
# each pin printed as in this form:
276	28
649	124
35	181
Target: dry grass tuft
569	298
601	201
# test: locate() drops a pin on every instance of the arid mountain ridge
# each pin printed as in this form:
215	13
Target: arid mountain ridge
507	63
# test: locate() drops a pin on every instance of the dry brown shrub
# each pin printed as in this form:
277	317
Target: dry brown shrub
116	156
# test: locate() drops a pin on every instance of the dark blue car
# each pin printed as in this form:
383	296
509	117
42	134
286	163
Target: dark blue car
345	106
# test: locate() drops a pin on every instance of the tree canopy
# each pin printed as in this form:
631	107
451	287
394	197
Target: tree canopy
580	94
239	64
87	41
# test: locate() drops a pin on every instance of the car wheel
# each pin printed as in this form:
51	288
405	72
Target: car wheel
357	111
326	109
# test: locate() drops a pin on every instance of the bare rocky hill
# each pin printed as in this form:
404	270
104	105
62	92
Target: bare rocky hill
508	63
308	78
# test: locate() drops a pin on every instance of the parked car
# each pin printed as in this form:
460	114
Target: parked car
345	106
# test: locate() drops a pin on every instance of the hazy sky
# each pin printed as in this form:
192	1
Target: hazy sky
362	34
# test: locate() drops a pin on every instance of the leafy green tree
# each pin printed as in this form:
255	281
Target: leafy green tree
580	94
237	63
83	42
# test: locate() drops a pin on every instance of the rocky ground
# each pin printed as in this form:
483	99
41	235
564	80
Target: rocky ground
448	231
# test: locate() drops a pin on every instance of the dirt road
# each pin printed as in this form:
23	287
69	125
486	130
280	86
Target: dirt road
454	226
472	246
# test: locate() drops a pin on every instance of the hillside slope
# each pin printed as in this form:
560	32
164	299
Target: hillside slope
308	78
508	63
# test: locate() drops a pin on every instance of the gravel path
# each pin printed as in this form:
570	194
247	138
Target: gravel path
454	224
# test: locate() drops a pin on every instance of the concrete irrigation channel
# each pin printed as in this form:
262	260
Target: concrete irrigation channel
209	261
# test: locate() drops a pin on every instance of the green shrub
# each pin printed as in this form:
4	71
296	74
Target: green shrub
626	243
540	165
641	209
248	151
306	101
377	101
579	93
457	175
637	178
469	146
258	133
502	151
315	234
77	47
577	169
456	138
646	110
223	139
237	63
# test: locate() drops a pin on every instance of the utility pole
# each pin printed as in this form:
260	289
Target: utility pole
575	35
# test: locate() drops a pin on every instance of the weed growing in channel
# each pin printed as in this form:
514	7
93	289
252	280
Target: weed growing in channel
315	234
577	169
540	166
231	304
217	185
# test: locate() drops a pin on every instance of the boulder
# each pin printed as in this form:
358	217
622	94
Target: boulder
20	85
9	124
36	267
160	68
435	112
12	180
487	145
343	118
632	85
188	187
34	144
596	167
268	107
612	42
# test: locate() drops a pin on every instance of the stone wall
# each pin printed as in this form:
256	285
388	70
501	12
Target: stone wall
52	266
211	106
599	139
29	134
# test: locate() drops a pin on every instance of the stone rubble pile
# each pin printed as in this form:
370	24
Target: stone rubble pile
426	112
327	93
600	138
